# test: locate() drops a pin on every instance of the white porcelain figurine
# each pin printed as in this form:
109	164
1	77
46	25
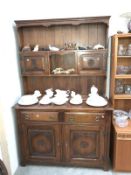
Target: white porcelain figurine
95	99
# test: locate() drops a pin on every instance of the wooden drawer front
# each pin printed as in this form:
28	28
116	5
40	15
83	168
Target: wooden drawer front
83	117
124	136
40	116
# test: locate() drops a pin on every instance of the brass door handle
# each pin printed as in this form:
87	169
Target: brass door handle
27	117
97	118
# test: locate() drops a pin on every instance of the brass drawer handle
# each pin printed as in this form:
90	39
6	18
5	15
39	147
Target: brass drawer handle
71	119
52	118
37	115
123	136
27	117
97	118
80	125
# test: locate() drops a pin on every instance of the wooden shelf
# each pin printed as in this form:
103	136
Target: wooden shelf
65	75
40	52
122	96
124	56
127	35
62	21
123	76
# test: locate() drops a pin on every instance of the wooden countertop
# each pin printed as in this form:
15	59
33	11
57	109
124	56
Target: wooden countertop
65	107
126	129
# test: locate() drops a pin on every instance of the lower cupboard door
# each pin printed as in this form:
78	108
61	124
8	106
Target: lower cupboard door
84	144
41	143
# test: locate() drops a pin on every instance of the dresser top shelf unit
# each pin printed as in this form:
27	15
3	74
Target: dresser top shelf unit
65	134
89	65
85	31
64	21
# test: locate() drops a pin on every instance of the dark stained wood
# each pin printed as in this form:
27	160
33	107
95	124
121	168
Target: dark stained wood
34	65
83	144
65	138
60	35
90	61
69	134
44	32
66	107
64	21
80	84
40	143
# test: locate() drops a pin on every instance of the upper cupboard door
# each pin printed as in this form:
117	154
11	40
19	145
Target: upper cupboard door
92	62
37	65
63	62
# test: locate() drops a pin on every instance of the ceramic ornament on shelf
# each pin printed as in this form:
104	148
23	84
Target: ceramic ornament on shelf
29	99
53	48
95	99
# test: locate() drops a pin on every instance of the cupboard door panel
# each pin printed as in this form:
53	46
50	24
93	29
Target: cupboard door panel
94	62
42	143
84	144
34	64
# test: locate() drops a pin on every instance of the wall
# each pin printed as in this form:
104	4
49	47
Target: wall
10	89
4	154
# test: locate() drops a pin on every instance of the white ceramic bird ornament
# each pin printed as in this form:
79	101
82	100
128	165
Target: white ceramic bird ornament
53	48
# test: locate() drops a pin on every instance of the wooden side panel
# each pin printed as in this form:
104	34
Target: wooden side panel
102	35
121	148
84	35
92	34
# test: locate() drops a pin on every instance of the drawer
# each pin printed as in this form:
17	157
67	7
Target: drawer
83	117
123	136
40	116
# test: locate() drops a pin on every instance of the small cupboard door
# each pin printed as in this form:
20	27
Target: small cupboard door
84	144
34	64
94	62
41	143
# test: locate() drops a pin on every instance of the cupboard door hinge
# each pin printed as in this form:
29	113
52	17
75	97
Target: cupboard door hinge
21	132
105	133
103	158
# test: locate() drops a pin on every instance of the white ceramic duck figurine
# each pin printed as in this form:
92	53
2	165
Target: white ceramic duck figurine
53	48
36	48
95	99
98	46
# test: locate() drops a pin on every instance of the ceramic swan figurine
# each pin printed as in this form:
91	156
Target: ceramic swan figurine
53	48
98	46
29	99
